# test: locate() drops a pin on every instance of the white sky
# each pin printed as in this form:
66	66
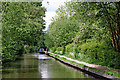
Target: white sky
51	6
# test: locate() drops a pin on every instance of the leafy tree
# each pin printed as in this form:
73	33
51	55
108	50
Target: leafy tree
48	41
63	31
90	29
22	25
102	15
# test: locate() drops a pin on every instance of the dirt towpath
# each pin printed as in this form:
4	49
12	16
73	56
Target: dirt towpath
103	68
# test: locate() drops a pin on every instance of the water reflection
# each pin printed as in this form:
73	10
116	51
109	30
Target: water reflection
40	56
40	66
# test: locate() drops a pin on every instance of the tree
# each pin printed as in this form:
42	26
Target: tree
63	28
48	41
22	25
103	14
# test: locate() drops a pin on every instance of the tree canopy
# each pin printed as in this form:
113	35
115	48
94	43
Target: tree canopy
87	30
22	24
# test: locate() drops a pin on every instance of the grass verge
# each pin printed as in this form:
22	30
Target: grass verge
109	71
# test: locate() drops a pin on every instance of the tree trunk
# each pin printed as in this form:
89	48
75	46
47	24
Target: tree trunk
114	31
118	28
117	37
112	35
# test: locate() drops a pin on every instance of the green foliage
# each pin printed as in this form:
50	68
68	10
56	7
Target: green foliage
29	49
63	29
59	49
22	25
89	27
53	49
69	48
48	41
89	49
101	52
75	51
63	50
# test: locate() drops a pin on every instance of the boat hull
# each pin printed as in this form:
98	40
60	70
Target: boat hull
42	52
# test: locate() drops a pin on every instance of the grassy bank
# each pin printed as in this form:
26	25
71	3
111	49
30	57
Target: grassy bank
109	71
100	53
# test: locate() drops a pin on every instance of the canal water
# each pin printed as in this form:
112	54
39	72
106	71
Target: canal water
40	66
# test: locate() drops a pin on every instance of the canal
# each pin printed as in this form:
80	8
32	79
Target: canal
40	66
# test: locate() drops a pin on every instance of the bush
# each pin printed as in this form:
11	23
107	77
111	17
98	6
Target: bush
91	50
69	48
53	49
8	54
27	49
75	51
100	51
59	49
63	50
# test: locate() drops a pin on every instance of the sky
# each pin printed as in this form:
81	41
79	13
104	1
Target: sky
51	6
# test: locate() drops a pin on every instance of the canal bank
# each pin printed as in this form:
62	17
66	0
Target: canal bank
94	70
